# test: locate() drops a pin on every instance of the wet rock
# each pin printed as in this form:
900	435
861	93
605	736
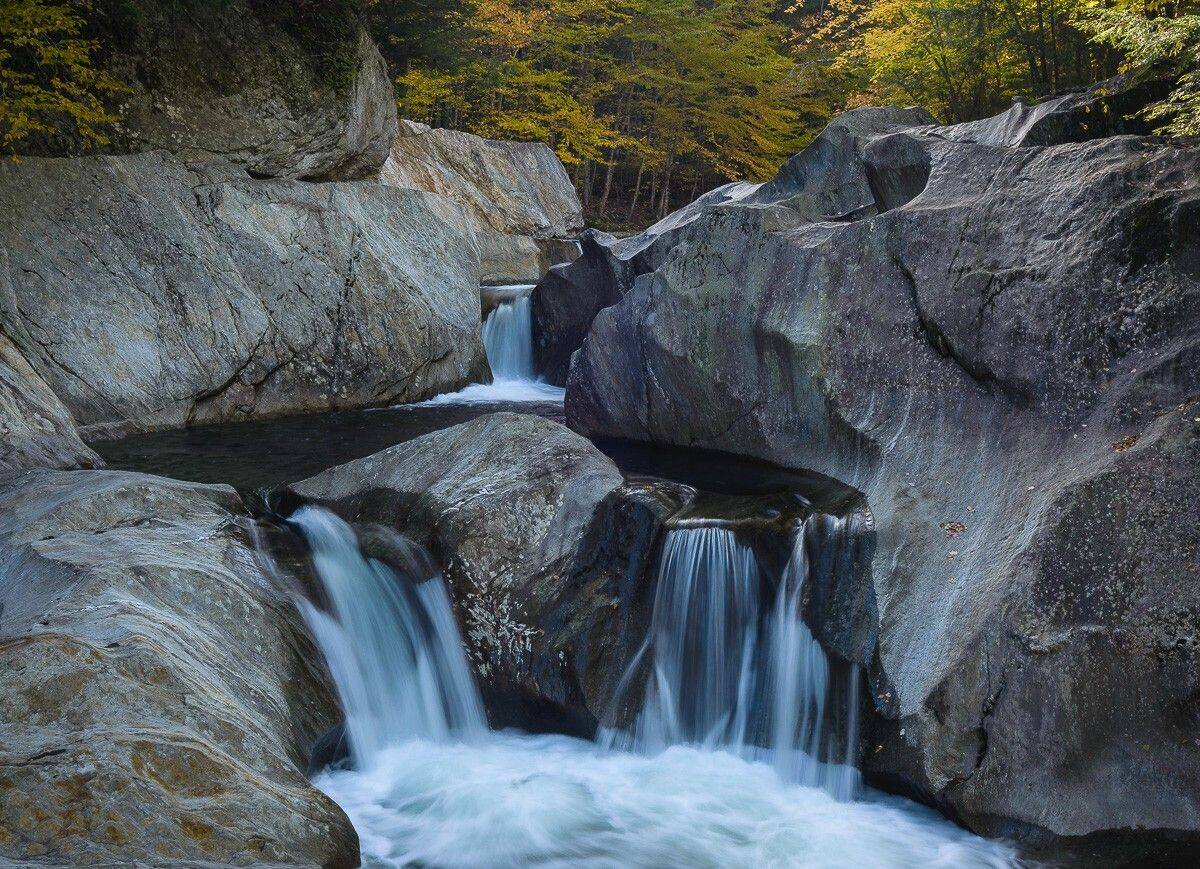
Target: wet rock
160	696
517	196
152	294
546	548
966	345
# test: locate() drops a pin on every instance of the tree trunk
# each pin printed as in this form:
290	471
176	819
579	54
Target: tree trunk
608	176
637	189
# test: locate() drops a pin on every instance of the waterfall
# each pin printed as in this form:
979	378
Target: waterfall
726	669
734	668
508	339
391	643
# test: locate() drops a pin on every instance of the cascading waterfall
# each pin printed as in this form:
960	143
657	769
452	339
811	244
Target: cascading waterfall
391	644
430	786
508	339
724	672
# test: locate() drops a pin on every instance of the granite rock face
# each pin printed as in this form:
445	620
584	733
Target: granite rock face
149	293
36	431
159	698
282	93
517	195
998	344
548	552
824	182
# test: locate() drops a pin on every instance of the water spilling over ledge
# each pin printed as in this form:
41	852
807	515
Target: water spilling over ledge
695	786
508	340
728	667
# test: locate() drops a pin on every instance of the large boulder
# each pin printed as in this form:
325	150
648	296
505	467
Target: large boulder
547	550
149	293
283	91
159	698
518	196
826	181
36	431
1002	351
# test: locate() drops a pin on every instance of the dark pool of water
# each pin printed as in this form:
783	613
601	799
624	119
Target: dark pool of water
255	456
252	456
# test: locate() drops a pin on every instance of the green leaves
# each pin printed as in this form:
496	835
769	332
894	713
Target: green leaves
1160	44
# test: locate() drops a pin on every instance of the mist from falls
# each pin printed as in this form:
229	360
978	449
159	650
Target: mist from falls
430	785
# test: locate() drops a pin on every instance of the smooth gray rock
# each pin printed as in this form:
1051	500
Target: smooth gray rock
1002	351
36	431
152	294
517	195
546	551
826	181
284	93
1109	108
160	695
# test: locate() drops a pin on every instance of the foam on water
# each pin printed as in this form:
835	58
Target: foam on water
554	801
432	787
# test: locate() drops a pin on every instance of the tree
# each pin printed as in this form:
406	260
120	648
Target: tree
676	93
962	59
47	77
1162	40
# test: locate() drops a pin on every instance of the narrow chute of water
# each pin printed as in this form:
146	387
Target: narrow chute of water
391	643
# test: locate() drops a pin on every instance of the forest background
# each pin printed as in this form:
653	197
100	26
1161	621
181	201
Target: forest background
651	102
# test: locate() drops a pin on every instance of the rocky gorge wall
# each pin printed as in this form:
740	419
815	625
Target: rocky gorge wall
517	195
996	342
248	82
150	293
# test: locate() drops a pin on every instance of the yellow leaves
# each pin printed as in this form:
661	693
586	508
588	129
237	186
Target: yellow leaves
507	28
46	74
659	81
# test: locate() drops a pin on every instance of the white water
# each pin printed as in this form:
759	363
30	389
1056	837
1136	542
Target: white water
431	788
508	340
725	673
391	644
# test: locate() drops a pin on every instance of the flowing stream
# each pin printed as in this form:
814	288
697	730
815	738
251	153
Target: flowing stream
732	761
508	340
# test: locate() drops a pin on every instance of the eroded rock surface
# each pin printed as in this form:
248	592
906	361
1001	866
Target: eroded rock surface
517	195
151	294
546	550
284	93
160	695
999	346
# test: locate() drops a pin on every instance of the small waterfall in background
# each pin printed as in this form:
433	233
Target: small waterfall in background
391	643
508	339
729	670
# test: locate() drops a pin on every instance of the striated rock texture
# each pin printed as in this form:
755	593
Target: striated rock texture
150	294
999	344
517	195
283	92
546	550
35	429
159	699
